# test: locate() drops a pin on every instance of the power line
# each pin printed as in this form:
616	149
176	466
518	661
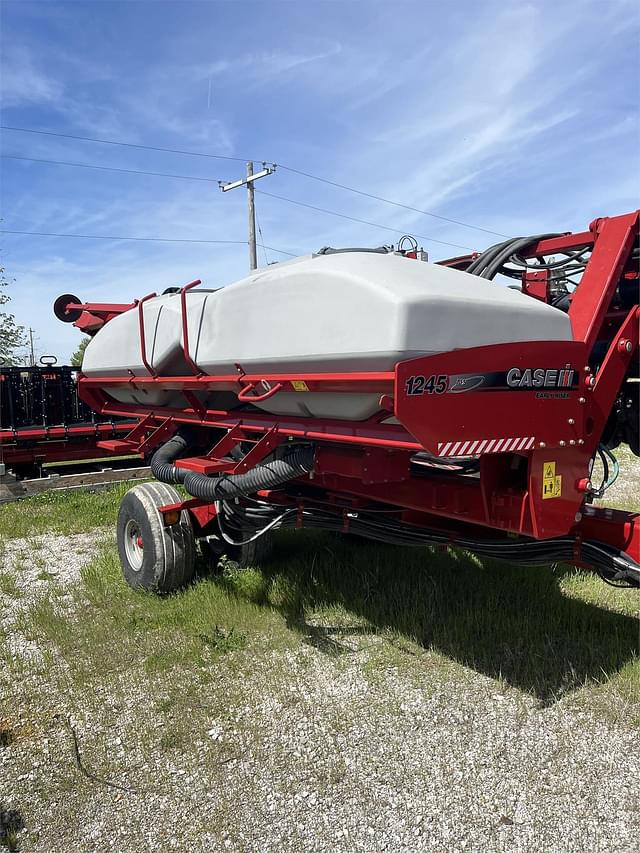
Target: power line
390	201
361	221
125	144
107	168
312	177
264	248
141	239
214	180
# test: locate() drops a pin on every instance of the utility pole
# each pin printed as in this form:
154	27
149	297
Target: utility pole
33	358
249	182
251	204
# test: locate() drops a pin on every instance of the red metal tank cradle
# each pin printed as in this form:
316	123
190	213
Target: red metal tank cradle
532	412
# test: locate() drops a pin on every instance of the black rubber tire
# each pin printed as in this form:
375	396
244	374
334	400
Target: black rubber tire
165	561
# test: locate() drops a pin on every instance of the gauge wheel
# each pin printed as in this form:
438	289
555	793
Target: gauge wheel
154	557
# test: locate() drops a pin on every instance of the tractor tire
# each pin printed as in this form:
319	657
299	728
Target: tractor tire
154	557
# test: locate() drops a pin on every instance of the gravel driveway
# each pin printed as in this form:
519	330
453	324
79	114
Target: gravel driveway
331	753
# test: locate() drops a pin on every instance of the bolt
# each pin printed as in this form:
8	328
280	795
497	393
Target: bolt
562	443
571	421
582	399
624	345
572	441
542	444
578	517
587	369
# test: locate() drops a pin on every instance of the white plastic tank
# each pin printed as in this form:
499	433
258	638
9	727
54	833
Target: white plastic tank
344	312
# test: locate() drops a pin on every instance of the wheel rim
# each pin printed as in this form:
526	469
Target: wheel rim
133	544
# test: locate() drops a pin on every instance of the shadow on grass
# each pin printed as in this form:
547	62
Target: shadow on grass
509	622
11	823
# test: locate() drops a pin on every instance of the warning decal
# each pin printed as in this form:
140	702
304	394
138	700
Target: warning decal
551	484
299	385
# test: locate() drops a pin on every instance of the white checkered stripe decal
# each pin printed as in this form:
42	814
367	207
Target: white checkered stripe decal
488	445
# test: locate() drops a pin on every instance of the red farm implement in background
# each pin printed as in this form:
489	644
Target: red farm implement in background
487	448
42	419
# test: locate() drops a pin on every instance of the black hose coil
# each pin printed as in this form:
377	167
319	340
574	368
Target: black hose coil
297	462
162	466
267	476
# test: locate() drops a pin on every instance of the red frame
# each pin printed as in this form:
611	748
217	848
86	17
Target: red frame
59	444
515	436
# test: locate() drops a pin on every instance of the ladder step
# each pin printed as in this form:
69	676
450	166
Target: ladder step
202	465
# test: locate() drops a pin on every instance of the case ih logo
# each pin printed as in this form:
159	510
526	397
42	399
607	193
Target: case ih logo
540	377
557	381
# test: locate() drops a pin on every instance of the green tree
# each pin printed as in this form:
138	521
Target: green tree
76	358
12	336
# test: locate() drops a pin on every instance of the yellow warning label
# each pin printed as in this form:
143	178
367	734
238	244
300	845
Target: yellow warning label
551	484
299	385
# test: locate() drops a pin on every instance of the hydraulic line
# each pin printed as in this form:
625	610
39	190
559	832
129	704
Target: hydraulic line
489	263
494	265
162	461
609	475
295	463
236	519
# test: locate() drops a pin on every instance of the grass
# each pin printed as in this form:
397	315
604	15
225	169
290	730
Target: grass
548	635
9	585
61	512
544	634
625	493
11	823
164	672
102	625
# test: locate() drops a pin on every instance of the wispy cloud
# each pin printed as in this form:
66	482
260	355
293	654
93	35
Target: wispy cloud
23	83
517	117
262	67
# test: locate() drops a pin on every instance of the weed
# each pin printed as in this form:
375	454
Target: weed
9	585
11	823
44	575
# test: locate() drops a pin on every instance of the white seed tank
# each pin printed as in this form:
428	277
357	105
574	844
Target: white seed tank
344	312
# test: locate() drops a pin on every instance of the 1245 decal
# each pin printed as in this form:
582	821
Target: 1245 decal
436	384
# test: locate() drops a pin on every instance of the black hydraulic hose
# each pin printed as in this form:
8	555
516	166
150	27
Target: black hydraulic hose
267	476
492	259
483	258
612	565
514	248
162	466
225	487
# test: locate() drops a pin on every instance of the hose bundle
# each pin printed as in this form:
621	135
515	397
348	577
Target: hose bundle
267	476
297	462
490	262
258	517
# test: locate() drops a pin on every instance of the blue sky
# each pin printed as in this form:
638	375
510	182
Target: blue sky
518	117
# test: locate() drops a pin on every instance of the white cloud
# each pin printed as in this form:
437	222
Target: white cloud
22	82
262	67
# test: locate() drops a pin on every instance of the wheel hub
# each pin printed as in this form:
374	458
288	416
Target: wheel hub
133	544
